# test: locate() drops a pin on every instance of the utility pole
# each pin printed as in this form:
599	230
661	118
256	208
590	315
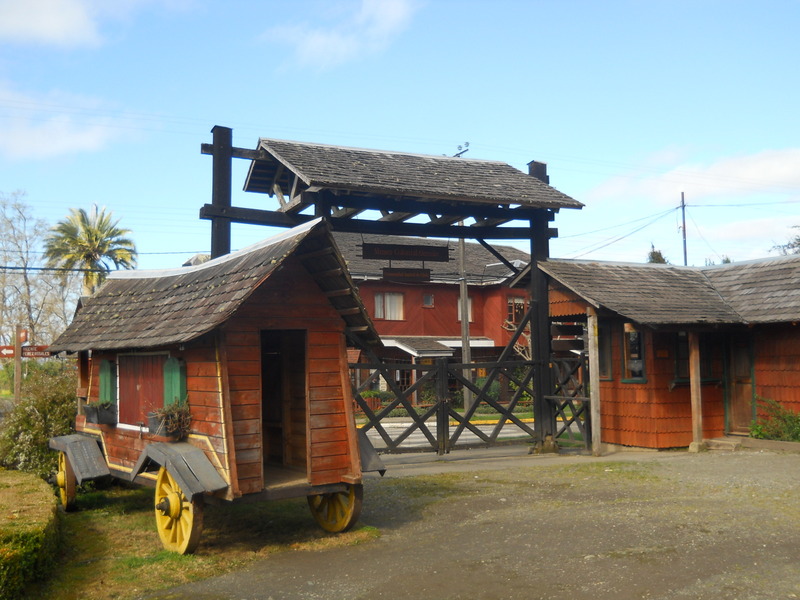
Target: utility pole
466	351
683	227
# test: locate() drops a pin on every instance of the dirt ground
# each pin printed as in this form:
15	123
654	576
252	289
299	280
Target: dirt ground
502	524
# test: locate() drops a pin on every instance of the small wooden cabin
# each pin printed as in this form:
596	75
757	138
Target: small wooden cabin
742	317
255	341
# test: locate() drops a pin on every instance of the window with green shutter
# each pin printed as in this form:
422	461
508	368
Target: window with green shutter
174	380
108	382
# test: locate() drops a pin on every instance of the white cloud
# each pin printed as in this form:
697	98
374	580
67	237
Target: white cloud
56	22
768	172
33	130
368	30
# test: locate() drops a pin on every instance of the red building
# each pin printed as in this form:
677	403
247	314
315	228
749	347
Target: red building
411	290
739	320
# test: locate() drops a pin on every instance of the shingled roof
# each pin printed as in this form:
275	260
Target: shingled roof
765	291
482	267
146	309
400	174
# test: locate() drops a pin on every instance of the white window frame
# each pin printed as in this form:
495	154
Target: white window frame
389	306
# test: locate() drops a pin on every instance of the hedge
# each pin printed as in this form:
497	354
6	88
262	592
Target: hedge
28	532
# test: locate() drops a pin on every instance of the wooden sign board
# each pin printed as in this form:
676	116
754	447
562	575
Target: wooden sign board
402	275
402	252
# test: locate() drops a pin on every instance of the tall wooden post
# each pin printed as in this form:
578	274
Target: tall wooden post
221	189
543	414
17	364
696	394
594	379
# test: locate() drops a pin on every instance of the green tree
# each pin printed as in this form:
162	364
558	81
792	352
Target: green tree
92	242
656	256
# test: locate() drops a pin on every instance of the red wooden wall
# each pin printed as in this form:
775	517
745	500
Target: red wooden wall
489	310
777	364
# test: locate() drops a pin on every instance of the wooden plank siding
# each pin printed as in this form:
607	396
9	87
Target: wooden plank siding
124	445
325	414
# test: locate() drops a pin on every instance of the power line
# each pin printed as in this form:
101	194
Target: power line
57	269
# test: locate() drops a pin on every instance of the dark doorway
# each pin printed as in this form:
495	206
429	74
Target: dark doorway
283	397
740	385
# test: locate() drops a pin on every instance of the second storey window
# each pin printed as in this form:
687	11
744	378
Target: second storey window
516	310
389	306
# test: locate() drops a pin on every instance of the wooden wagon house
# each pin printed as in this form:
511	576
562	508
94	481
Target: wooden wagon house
684	353
255	343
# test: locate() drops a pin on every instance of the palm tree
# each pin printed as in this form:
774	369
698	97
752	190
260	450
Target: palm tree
90	242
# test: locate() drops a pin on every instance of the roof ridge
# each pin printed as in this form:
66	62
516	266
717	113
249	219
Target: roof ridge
381	151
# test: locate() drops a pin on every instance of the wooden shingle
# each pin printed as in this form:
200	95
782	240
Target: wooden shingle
146	309
401	174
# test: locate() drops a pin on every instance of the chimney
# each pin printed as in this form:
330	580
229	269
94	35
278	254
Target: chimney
538	170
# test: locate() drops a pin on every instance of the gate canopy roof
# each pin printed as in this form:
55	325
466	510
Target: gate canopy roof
402	186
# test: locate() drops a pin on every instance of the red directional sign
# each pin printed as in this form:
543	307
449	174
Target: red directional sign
35	352
27	352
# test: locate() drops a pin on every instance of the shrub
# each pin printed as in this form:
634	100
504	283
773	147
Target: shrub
28	533
778	423
47	409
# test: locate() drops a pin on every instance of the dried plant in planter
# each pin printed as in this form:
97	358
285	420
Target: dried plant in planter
173	420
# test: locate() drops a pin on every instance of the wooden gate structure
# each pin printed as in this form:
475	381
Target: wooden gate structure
396	193
442	427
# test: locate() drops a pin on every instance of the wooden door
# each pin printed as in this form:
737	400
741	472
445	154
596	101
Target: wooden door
141	386
740	385
283	368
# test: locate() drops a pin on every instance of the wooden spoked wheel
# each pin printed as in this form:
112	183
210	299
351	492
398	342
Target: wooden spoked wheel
65	479
179	520
337	511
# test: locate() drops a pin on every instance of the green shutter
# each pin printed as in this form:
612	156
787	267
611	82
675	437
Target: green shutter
174	380
108	382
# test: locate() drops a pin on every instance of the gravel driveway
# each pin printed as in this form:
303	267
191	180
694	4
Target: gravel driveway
502	524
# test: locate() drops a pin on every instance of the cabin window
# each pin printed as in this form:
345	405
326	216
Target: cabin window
707	363
633	354
108	382
141	386
389	306
469	308
604	351
516	310
174	380
427	300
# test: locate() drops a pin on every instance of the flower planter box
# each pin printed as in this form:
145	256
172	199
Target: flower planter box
100	415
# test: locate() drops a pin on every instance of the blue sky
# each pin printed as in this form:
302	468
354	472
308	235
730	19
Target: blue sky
629	102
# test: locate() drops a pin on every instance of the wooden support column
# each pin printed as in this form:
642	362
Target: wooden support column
697	401
543	413
221	190
594	379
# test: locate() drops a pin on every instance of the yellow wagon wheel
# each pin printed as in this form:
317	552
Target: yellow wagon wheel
338	511
65	479
179	520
